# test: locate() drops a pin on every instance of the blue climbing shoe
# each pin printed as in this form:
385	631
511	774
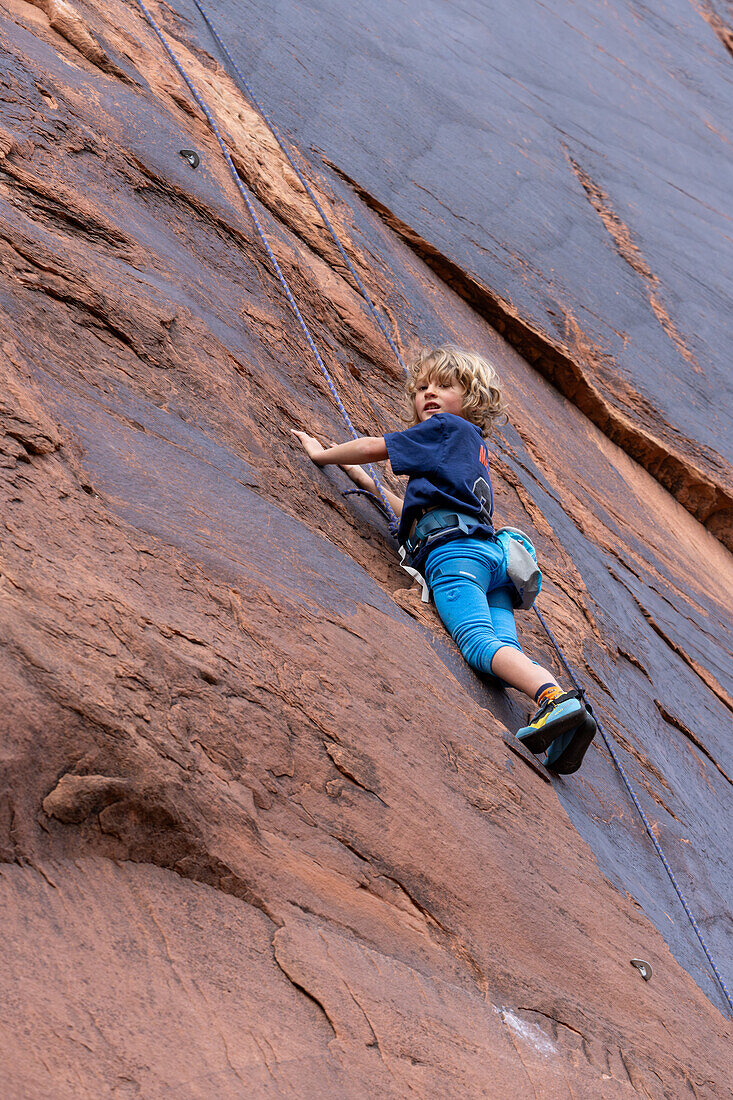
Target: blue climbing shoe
559	715
565	754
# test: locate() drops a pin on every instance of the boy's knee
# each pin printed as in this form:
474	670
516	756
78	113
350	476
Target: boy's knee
480	655
501	643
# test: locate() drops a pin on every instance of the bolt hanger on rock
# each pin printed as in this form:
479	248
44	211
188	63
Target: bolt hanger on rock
644	968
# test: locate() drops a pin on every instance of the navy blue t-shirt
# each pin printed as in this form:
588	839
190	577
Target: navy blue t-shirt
448	463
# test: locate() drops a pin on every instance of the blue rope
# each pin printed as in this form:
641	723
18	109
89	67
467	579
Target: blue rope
393	521
278	138
627	783
388	509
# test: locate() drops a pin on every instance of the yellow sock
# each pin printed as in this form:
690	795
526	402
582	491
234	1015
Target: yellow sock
549	694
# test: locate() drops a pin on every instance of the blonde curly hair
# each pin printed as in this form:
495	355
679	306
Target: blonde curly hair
483	403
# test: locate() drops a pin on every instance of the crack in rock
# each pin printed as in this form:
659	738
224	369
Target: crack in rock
708	502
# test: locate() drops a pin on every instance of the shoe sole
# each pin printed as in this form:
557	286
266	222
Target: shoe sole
526	756
572	757
539	740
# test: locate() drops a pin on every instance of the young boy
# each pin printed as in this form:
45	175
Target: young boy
447	532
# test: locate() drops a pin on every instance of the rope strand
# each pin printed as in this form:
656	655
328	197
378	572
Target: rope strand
291	161
627	783
393	521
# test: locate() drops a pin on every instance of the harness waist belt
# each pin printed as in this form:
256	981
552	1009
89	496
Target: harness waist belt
437	521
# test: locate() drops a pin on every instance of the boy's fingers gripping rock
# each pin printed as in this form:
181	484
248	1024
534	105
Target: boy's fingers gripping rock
310	444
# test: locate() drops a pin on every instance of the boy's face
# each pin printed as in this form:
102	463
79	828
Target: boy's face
432	396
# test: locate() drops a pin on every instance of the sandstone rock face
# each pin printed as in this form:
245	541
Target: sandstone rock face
567	169
261	834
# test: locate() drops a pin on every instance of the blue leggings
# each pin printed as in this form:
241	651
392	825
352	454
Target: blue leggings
472	592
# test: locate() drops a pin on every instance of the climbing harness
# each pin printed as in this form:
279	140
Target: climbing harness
425	530
435	524
283	282
520	557
638	963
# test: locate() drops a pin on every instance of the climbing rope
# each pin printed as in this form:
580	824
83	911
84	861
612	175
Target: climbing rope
392	518
627	783
388	511
291	161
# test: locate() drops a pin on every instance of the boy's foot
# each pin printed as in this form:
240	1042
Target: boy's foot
565	754
557	716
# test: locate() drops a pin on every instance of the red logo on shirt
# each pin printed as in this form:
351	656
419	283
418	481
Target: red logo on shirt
483	457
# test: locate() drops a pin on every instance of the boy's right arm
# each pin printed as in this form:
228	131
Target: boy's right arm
347	456
368	448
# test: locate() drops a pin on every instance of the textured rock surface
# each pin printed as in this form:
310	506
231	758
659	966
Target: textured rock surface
572	162
261	834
